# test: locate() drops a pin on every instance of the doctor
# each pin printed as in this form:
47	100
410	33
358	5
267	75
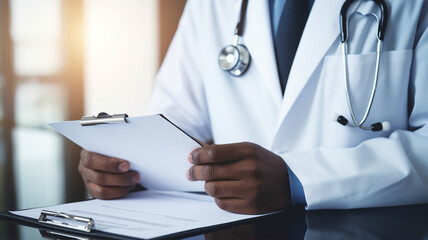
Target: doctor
274	141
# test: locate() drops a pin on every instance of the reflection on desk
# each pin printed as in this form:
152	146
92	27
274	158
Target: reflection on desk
407	222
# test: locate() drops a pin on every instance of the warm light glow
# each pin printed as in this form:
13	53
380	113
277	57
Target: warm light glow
121	55
36	32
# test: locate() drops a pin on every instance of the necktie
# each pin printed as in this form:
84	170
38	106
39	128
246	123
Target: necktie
290	29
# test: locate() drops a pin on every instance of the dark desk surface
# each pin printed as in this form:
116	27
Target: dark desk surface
407	222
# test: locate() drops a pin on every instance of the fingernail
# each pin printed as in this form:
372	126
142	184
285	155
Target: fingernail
136	178
123	167
188	175
190	158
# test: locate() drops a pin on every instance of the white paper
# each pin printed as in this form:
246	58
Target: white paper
147	214
154	147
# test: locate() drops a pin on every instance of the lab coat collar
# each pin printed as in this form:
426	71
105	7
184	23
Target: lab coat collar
258	38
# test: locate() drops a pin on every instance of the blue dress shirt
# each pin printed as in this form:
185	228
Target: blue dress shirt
276	7
296	188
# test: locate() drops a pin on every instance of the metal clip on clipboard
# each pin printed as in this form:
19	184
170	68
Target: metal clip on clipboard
103	118
66	220
48	234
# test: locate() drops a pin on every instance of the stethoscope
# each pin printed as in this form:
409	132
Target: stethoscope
382	22
235	59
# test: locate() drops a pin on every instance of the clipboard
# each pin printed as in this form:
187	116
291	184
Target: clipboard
56	232
62	230
146	142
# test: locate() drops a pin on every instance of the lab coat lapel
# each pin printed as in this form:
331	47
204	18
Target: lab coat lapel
258	38
321	31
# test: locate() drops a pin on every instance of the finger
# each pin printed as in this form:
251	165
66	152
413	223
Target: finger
215	172
230	204
110	179
236	205
102	192
222	153
226	189
103	163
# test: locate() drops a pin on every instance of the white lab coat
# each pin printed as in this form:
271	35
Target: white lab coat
339	167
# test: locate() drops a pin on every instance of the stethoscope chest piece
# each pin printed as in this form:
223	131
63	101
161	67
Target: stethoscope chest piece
234	59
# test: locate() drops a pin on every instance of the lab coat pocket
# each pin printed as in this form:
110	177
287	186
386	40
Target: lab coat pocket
390	100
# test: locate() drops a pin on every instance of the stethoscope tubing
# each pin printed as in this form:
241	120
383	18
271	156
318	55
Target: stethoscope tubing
382	23
344	23
374	87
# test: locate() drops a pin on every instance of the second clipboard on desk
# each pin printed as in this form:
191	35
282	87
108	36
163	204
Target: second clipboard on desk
145	214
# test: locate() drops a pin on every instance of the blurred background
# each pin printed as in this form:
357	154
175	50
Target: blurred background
59	60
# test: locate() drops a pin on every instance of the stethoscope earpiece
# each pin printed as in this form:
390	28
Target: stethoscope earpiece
340	119
381	126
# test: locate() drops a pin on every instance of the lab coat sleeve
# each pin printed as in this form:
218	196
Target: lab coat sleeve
380	171
179	90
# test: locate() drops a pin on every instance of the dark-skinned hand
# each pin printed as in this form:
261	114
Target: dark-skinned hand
106	177
242	177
